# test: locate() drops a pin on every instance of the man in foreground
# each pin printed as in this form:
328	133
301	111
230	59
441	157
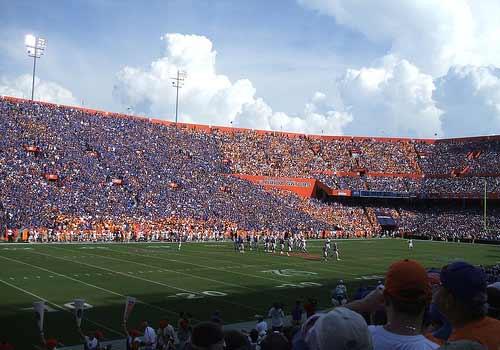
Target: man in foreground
462	299
405	296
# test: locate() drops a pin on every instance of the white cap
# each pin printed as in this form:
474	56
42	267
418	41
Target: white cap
495	285
338	330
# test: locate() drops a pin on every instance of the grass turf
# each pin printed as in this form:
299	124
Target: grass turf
199	279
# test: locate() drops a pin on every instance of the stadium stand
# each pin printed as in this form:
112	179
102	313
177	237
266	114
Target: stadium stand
68	173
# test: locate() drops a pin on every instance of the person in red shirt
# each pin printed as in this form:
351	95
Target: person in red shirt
310	307
462	299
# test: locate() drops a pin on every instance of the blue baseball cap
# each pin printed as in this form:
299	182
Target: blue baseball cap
465	281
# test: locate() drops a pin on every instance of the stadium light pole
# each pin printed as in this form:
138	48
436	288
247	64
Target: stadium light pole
178	83
35	48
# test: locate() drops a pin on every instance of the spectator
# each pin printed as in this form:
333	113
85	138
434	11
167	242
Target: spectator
277	317
310	307
166	336
254	339
149	338
339	294
462	299
90	341
340	329
207	336
494	300
184	330
261	326
236	341
405	296
215	318
275	341
297	313
51	344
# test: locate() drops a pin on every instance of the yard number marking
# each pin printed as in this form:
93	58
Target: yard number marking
299	285
71	305
290	272
209	293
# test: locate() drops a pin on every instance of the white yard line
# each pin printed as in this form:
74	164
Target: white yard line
87	284
59	306
329	270
173	271
143	279
203	266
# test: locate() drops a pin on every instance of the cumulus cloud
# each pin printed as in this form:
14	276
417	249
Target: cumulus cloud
44	90
318	117
470	99
393	98
434	35
208	97
438	75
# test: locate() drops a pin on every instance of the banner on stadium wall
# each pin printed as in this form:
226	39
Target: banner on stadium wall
341	193
302	186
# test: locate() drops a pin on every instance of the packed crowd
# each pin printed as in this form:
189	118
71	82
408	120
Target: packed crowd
455	307
132	173
68	174
475	156
449	224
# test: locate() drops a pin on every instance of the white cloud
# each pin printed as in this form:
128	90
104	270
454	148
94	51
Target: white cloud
318	117
470	97
438	75
211	98
394	98
44	90
434	35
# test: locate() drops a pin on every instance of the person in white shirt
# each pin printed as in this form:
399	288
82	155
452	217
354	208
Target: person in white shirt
277	317
405	296
149	338
410	244
261	326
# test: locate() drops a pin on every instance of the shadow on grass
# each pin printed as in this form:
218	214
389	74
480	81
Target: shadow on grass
19	326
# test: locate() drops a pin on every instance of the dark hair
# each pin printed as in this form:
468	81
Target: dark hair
206	334
254	335
236	340
275	341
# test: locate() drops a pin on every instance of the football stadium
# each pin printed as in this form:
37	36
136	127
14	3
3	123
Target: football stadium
169	207
215	221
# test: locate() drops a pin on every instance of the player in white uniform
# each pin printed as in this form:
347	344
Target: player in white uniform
410	244
180	241
255	242
304	245
336	251
282	245
273	244
326	250
290	244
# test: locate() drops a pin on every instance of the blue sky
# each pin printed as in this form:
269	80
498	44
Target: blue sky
288	50
263	41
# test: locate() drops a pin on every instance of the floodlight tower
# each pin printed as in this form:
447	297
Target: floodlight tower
35	48
178	83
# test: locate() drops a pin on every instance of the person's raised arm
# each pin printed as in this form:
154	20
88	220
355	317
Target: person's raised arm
372	302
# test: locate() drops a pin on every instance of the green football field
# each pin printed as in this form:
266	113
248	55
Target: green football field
199	279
